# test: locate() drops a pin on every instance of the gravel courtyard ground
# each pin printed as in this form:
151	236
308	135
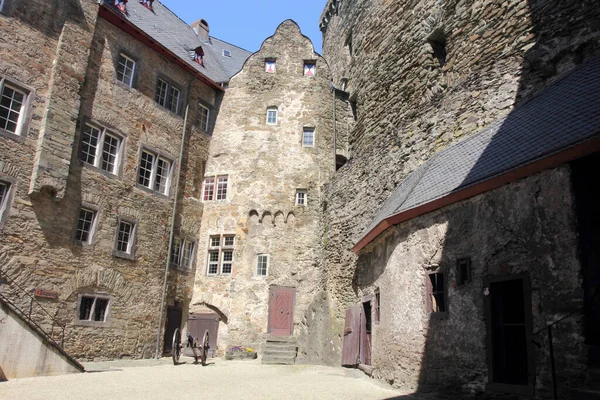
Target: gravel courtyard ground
160	379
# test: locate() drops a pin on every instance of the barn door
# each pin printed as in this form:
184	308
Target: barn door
351	344
281	311
198	324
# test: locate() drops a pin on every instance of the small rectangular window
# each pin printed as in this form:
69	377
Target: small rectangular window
203	117
301	197
262	262
308	137
167	95
436	293
125	70
85	225
125	237
162	88
220	255
5	188
377	306
93	308
228	241
12	107
227	262
215	241
182	252
213	262
226	53
154	172
209	188
310	68
222	187
174	100
100	148
463	271
272	116
270	66
220	182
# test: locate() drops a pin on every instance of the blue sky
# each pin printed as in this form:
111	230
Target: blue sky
247	23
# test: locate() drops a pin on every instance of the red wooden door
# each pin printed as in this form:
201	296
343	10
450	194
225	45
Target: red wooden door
281	311
351	344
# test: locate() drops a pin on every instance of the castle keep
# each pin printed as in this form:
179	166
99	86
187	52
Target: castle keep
417	202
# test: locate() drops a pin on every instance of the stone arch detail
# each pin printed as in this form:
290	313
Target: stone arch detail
279	218
216	309
290	217
266	214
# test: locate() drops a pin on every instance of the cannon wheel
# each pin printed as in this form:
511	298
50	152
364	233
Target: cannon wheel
205	347
176	349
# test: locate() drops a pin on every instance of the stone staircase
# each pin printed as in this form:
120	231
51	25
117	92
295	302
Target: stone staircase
280	350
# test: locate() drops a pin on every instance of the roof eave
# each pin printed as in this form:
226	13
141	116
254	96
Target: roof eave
551	161
114	17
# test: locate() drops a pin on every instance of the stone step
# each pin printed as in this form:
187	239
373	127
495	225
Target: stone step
290	353
269	359
281	346
292	339
585	394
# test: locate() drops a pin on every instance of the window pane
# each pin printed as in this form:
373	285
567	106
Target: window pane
226	262
89	144
308	137
125	70
261	266
100	309
300	198
270	66
176	251
124	237
161	92
222	187
213	262
3	194
174	100
203	114
209	188
271	116
109	153
215	241
228	241
188	252
84	225
145	172
162	175
85	308
11	104
309	69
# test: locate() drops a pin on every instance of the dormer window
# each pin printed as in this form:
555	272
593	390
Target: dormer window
147	4
121	5
310	68
226	53
199	55
270	65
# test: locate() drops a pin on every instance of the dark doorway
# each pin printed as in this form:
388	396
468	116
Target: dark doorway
200	323
173	322
365	334
281	311
510	357
586	189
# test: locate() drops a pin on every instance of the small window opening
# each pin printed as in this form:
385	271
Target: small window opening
340	161
272	116
349	43
147	4
301	197
354	110
199	55
437	41
270	65
377	306
93	308
310	68
226	53
463	271
262	263
436	293
121	5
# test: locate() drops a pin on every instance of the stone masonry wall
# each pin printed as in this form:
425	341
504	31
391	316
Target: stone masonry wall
411	347
409	105
265	165
37	241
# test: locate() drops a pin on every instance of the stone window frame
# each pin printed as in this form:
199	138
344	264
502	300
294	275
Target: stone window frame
271	60
94	228
272	108
26	109
130	254
442	314
306	129
158	154
136	68
464	271
6	204
107	313
213	180
309	62
204	106
185	239
220	249
171	84
267	265
304	198
120	156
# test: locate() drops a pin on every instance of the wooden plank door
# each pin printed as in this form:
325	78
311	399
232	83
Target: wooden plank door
281	311
351	343
199	323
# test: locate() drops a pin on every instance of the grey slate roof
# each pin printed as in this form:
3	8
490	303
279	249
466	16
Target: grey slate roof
173	33
561	116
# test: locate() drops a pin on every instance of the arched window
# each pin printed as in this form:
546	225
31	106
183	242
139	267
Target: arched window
272	116
199	55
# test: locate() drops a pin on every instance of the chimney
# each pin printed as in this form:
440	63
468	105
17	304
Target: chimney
201	29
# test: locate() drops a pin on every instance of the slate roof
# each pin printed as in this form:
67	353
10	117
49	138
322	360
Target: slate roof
561	116
169	30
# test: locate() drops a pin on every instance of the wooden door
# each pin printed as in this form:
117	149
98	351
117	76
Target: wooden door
281	311
198	324
365	333
351	343
173	322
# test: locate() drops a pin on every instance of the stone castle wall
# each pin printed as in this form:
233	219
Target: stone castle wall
409	105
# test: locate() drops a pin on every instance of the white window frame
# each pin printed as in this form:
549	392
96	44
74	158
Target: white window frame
166	88
272	109
99	153
259	266
91	319
23	110
226	53
133	68
306	130
220	248
270	60
203	121
129	252
179	260
306	64
213	181
5	201
301	194
156	158
92	227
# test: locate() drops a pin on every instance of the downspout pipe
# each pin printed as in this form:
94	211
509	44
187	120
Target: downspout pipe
173	216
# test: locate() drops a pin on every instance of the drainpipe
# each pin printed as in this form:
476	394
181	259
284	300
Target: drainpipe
333	89
173	215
